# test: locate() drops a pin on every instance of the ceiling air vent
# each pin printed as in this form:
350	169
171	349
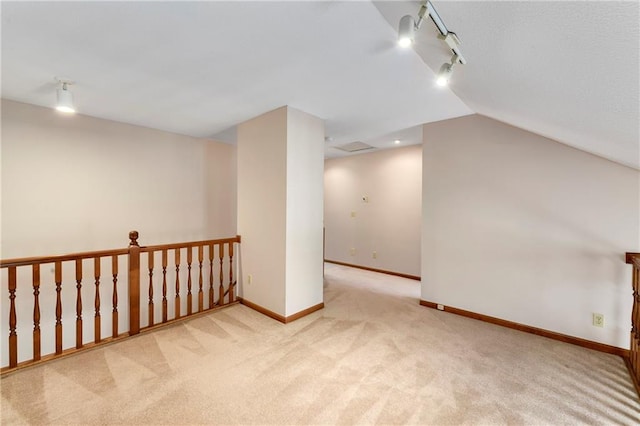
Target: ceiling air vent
354	146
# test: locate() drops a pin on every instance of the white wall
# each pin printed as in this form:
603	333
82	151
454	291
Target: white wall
389	223
520	227
305	155
77	183
220	169
280	157
262	201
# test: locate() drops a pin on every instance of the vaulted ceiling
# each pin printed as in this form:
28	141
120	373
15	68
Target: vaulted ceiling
565	70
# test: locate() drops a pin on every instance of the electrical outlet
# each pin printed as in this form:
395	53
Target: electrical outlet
353	214
598	320
375	255
249	279
352	252
440	307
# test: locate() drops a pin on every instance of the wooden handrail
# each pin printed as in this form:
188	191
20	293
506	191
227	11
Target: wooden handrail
26	261
633	362
173	246
204	263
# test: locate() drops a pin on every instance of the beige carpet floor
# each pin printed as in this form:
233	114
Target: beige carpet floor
372	356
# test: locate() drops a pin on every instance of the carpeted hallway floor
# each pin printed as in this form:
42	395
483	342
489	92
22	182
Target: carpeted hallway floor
372	356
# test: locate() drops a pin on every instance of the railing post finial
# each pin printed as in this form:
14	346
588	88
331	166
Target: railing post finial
133	236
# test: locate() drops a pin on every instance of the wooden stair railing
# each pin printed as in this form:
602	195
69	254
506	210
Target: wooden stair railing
87	273
633	363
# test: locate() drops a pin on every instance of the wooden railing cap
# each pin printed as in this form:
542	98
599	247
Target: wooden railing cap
633	258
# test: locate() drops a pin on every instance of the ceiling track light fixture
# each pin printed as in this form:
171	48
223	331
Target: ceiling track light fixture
406	37
65	97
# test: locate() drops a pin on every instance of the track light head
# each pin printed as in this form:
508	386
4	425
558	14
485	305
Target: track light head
406	31
65	98
444	75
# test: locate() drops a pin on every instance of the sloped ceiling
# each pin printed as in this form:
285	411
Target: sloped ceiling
565	70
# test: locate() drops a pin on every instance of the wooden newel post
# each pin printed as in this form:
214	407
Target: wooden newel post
134	284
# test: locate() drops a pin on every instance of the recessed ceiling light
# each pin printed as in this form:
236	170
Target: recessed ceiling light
397	142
